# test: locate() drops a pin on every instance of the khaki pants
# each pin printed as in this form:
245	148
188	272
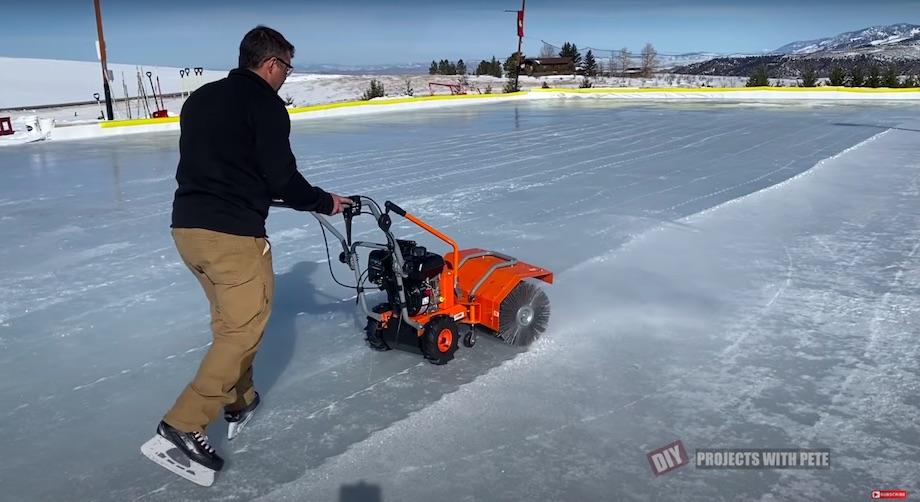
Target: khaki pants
237	277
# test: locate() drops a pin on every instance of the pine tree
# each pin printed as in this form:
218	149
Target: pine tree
809	77
495	68
891	79
838	77
760	78
570	50
445	67
433	69
511	65
590	66
856	77
375	90
460	68
875	78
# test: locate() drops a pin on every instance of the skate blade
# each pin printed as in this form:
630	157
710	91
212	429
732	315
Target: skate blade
172	459
234	428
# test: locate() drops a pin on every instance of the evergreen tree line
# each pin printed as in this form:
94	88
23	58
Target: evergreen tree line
856	76
492	67
620	63
589	64
446	67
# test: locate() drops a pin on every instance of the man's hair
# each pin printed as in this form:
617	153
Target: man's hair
261	44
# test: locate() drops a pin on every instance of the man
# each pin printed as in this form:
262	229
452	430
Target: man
235	157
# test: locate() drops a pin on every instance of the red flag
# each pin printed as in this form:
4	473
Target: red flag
520	23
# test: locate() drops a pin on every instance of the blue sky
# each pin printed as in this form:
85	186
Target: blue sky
207	32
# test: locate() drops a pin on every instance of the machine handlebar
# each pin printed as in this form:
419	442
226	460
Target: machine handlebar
353	209
396	209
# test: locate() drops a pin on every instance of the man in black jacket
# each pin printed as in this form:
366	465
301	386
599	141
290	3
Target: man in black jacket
235	157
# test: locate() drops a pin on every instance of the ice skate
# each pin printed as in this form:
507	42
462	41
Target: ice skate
239	418
187	454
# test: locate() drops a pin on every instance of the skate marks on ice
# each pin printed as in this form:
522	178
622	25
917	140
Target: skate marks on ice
790	346
323	391
614	198
301	426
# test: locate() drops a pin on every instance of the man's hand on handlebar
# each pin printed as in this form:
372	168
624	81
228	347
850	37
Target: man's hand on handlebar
339	204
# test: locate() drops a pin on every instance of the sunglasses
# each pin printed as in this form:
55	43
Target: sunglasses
290	69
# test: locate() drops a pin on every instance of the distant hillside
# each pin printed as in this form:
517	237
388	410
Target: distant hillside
795	66
874	36
896	46
667	61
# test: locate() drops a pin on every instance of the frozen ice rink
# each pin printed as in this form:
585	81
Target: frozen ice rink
786	318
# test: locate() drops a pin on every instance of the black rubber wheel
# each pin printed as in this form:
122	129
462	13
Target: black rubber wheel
373	334
440	340
468	339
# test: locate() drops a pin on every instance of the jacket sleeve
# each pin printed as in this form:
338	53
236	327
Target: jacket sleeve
279	166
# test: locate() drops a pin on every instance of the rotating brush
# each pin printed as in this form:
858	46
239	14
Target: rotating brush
523	315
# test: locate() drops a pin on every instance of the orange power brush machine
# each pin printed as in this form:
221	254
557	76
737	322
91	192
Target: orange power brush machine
430	296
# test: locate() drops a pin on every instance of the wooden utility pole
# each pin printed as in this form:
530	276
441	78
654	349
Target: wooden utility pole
102	57
520	32
520	42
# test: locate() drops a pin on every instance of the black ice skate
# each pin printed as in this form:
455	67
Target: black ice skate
187	454
239	418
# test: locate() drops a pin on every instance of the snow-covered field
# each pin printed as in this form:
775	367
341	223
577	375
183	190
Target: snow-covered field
27	82
727	275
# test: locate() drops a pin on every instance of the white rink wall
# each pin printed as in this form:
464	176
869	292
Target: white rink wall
752	96
324	96
102	129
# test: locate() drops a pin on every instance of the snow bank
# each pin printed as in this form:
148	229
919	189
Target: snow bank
348	108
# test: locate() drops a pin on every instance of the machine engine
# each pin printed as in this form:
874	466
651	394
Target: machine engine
421	280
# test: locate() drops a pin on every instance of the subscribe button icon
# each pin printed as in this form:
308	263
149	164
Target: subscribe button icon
889	494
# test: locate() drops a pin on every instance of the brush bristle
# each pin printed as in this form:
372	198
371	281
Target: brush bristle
510	329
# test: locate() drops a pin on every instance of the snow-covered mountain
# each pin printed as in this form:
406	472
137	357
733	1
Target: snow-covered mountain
896	41
895	46
869	37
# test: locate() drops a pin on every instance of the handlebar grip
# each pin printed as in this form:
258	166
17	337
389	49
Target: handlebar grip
396	209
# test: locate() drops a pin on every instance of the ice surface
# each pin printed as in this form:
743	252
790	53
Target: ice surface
682	309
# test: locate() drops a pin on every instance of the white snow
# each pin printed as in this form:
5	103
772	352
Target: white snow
26	84
730	274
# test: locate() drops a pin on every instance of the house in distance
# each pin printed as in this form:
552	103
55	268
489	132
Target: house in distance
540	67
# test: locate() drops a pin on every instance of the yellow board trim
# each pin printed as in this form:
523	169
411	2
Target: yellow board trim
592	90
326	106
345	104
137	122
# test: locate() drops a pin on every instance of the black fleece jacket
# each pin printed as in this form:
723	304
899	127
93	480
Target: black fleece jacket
235	156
